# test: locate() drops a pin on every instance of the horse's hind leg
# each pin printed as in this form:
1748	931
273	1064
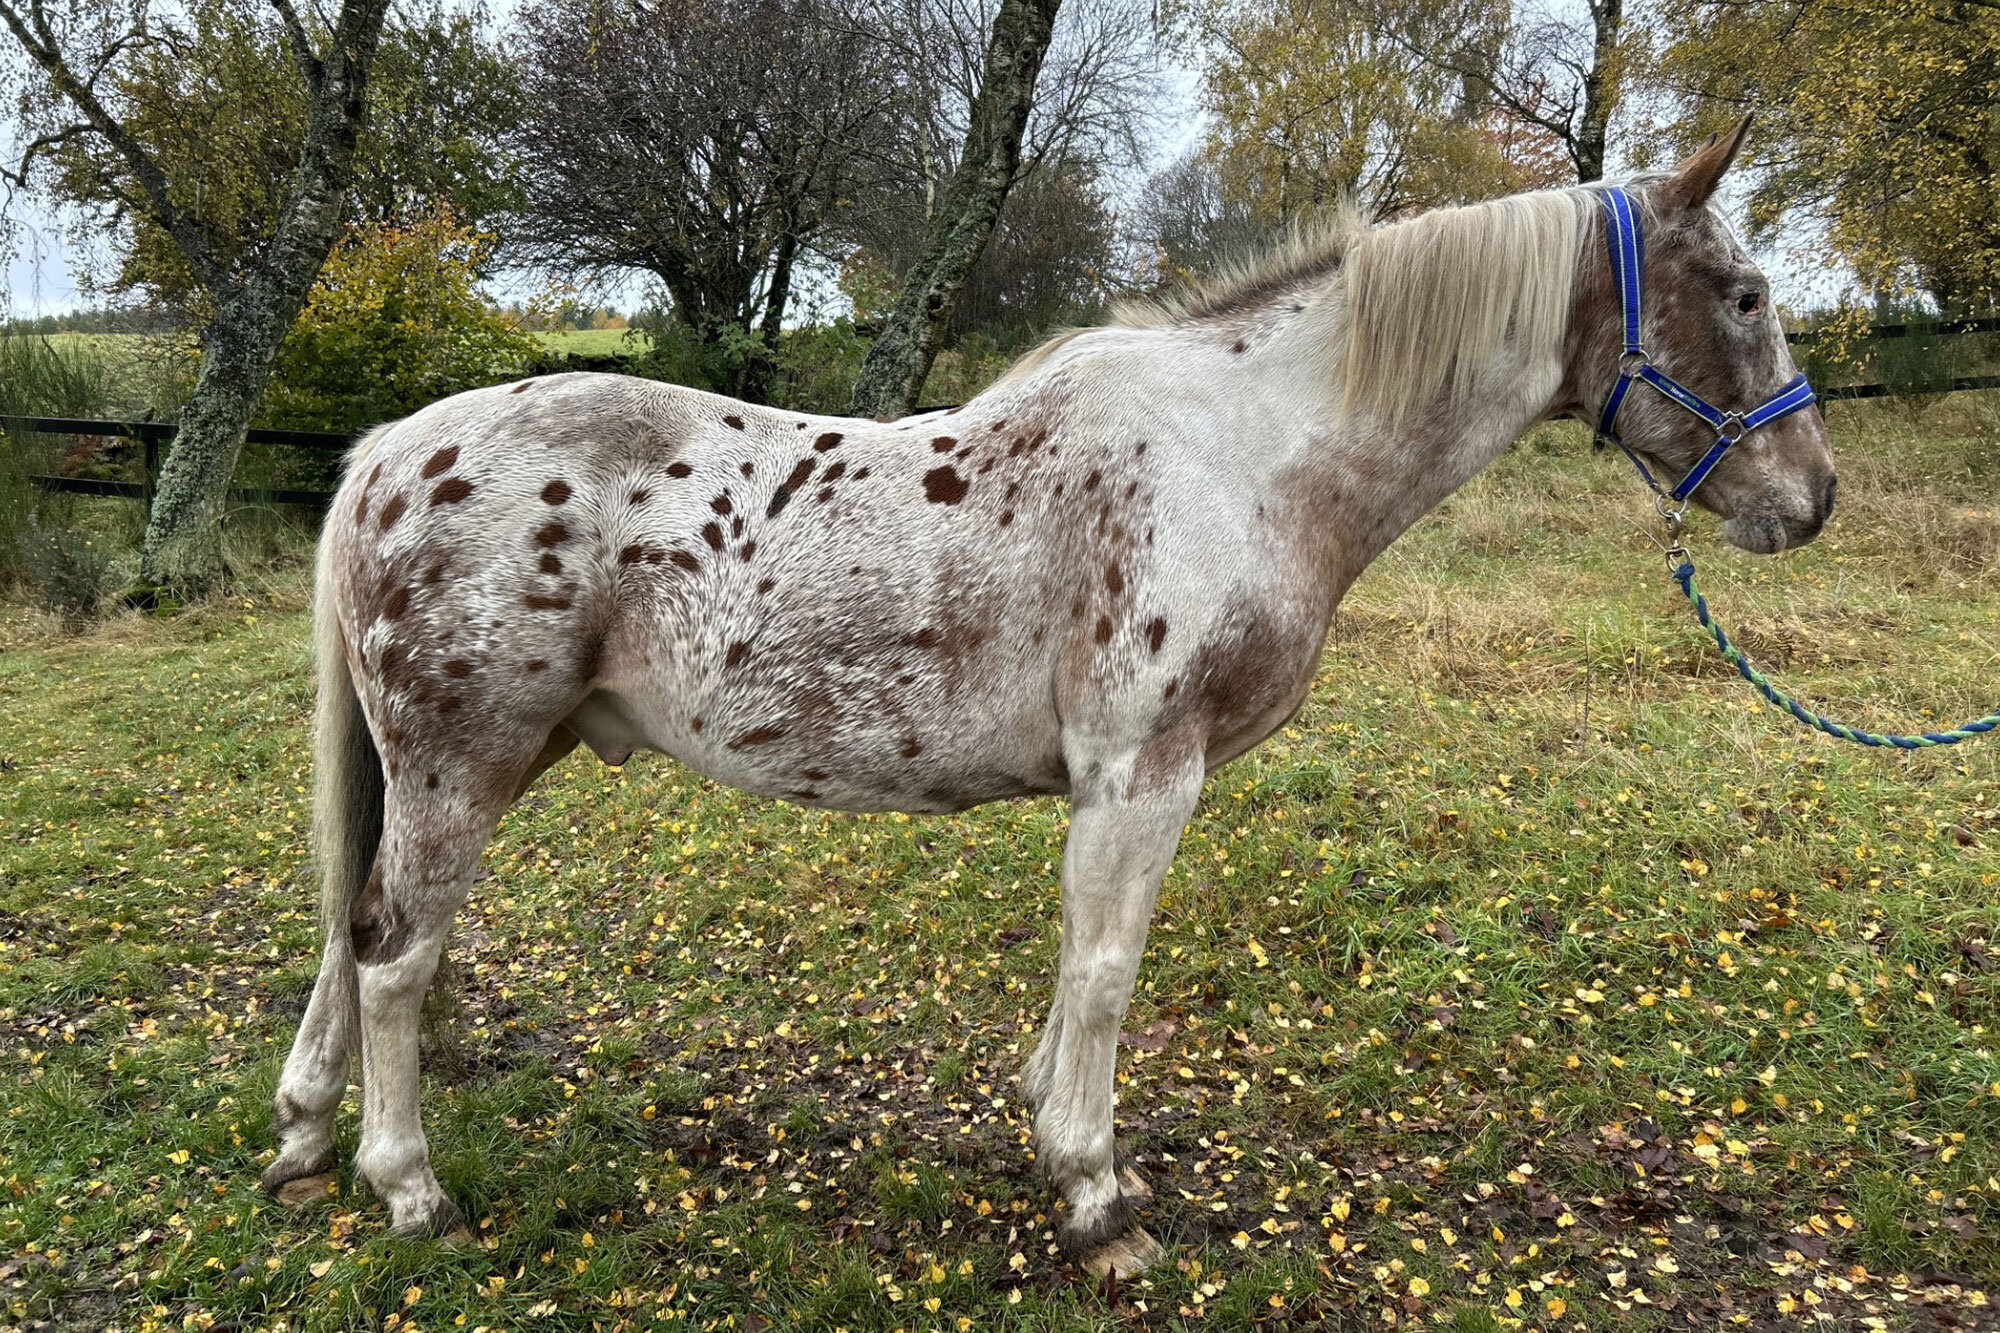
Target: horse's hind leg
1125	822
436	820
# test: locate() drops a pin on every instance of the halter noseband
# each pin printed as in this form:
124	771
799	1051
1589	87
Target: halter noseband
1628	264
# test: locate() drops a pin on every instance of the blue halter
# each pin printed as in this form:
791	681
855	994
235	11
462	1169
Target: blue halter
1628	265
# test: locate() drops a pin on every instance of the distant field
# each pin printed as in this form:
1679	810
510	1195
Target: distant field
593	342
1534	977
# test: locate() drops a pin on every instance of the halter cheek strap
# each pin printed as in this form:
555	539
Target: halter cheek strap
1628	267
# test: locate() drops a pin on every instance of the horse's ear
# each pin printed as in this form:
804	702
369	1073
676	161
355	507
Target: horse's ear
1695	179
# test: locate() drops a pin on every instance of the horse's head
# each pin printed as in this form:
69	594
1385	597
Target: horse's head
1708	324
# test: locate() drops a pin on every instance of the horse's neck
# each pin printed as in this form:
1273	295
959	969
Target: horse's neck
1362	486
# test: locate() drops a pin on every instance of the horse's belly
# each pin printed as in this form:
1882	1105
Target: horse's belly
796	751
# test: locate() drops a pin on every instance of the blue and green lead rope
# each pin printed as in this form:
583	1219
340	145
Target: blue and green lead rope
1684	575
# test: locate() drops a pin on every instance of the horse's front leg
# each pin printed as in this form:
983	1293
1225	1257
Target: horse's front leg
1125	821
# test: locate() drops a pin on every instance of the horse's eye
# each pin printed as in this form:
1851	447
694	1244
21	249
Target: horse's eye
1750	303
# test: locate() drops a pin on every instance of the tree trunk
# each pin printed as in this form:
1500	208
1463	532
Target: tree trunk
892	377
183	547
1600	90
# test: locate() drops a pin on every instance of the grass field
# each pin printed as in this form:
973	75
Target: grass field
591	342
1534	976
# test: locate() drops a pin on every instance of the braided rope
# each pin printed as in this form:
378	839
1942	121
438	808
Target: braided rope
1684	575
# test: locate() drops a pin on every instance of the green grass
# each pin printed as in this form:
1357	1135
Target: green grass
1533	976
592	342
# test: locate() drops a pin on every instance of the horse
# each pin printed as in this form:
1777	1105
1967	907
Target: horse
1103	577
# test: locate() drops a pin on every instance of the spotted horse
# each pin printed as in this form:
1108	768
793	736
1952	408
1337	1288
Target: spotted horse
1105	576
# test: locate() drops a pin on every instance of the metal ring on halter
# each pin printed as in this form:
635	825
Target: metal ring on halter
1674	511
1632	362
1731	420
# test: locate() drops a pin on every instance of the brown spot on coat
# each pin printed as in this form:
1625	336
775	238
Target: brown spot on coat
556	492
712	534
944	444
397	602
944	486
747	468
733	421
431	781
1156	633
1090	482
1006	517
535	601
835	472
537	664
639	497
551	563
739	653
696	724
758	736
361	510
686	559
678	469
765	585
1114	578
720	504
827	441
632	554
450	491
1104	629
440	462
391	512
458	667
552	533
912	747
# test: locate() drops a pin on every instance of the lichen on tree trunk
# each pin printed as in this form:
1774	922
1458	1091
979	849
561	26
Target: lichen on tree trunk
254	308
892	376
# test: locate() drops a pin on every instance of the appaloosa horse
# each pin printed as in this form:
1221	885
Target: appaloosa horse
1105	576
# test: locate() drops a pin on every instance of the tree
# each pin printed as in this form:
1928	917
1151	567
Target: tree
1318	101
1878	131
83	94
1051	258
1187	224
709	143
1556	73
892	376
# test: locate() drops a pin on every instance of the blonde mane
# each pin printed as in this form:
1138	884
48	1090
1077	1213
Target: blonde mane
1432	300
1428	300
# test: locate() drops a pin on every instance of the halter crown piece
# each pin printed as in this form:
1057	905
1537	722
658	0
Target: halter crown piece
1628	268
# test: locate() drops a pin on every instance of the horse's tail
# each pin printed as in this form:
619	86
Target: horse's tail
348	792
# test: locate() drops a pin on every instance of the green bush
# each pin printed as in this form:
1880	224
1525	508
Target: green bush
396	321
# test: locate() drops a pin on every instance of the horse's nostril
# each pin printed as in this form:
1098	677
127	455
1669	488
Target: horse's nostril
1826	496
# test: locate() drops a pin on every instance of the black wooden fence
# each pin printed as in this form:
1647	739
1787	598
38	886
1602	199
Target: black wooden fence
154	433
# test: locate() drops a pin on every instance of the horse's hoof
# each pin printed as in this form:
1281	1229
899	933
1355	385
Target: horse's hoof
1124	1256
440	1221
1133	1185
303	1191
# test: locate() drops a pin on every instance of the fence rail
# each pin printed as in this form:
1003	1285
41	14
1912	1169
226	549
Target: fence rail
155	433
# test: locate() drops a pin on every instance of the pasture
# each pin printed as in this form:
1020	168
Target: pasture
1535	975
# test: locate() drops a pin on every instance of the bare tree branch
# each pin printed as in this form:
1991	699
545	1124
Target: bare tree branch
32	31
